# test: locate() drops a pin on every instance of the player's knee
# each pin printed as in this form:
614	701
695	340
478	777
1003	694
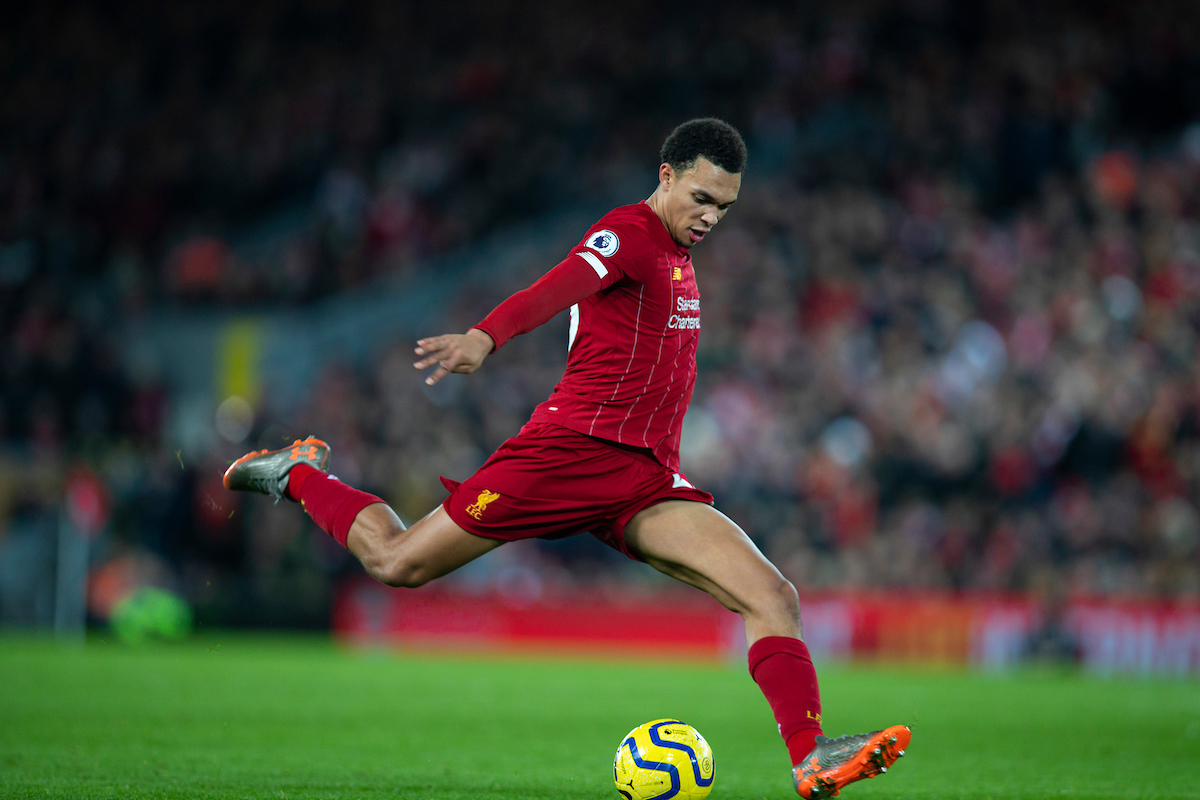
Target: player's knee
404	573
782	601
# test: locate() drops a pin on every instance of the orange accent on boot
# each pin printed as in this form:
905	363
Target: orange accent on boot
310	454
813	782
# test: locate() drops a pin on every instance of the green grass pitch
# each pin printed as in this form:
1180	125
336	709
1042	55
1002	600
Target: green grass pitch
249	717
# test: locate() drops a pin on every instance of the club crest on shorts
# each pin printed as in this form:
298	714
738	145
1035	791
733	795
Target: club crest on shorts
486	497
604	242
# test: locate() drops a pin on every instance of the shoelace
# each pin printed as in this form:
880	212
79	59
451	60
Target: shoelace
266	486
845	737
829	748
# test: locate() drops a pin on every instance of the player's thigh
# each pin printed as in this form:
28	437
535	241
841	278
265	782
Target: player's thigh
699	545
428	549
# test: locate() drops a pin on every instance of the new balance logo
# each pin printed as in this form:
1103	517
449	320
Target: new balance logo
677	274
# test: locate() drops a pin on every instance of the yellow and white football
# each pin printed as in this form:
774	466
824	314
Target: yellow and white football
664	759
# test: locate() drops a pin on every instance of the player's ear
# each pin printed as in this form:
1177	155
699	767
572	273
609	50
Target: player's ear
666	175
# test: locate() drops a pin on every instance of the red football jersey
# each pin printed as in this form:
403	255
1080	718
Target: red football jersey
631	366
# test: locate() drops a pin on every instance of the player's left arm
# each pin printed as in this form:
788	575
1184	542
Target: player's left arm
571	281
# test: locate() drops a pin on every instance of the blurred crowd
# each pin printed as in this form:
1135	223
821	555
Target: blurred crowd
949	331
230	153
903	392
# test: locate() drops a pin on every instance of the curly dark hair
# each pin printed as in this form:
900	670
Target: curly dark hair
712	138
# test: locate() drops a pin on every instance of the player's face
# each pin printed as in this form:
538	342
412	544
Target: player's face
693	201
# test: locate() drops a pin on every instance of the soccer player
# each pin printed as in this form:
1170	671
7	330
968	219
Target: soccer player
601	455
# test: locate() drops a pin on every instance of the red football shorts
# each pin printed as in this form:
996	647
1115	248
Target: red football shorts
548	482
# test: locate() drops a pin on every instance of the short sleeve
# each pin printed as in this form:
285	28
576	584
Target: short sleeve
617	250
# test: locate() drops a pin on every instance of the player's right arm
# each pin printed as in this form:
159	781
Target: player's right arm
569	282
453	352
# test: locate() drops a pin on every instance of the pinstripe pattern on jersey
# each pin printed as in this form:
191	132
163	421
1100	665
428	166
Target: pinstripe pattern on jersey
632	352
666	273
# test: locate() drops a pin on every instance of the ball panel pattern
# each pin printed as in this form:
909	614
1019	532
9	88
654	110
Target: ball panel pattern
664	759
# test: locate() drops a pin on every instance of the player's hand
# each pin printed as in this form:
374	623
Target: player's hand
453	352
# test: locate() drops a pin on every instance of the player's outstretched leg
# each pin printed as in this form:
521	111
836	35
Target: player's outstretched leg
833	763
358	521
701	546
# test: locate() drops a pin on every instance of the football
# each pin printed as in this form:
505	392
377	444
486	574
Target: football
664	759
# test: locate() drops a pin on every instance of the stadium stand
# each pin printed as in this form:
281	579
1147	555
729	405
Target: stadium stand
950	330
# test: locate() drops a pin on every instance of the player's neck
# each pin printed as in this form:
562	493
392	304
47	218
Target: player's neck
655	203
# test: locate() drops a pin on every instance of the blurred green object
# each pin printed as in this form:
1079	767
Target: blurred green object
151	613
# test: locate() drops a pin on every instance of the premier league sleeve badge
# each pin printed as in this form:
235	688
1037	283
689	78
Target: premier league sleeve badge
604	242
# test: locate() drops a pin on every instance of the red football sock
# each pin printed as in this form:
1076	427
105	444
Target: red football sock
297	475
332	504
783	670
